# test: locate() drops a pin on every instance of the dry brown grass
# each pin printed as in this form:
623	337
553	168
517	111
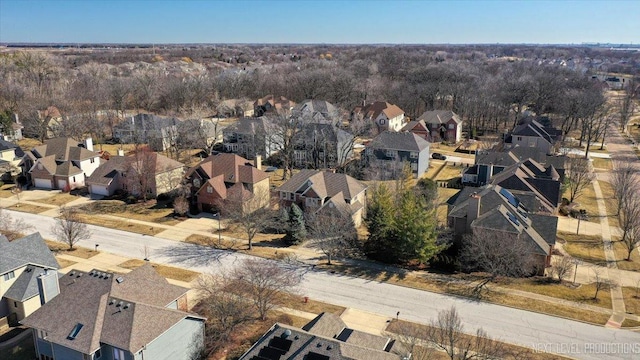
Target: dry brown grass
433	170
275	177
587	200
600	163
5	191
169	272
58	199
463	285
312	306
120	224
63	263
28	144
621	254
449	172
141	211
581	294
610	203
397	326
62	248
629	323
28	208
631	296
443	195
588	248
113	148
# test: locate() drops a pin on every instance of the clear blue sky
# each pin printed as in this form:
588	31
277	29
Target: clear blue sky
295	21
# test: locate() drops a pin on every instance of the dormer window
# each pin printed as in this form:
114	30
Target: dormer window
196	183
210	189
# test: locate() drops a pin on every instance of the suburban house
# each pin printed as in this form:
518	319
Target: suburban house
326	337
418	127
219	176
10	157
270	103
387	117
532	133
388	152
199	133
316	111
61	163
102	315
159	132
488	163
493	208
11	131
249	137
52	120
234	108
111	175
322	146
529	175
444	125
314	190
28	277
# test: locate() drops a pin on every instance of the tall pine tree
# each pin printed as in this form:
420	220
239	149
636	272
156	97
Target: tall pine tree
295	229
379	221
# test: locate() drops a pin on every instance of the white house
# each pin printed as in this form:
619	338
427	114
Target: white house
387	117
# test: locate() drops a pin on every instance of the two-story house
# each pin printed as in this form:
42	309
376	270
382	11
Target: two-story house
103	315
165	174
271	103
314	190
444	125
219	176
387	117
159	132
532	133
61	163
322	146
494	209
418	127
316	111
11	130
249	137
28	276
388	152
10	157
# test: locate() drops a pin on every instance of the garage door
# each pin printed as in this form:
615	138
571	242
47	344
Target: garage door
43	183
99	190
62	184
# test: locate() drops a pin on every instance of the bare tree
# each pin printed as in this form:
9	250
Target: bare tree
226	311
285	131
140	176
447	333
600	282
332	232
579	176
265	283
561	267
627	104
498	254
69	227
630	221
249	211
13	228
625	181
181	205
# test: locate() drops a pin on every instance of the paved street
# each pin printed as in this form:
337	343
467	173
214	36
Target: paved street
512	325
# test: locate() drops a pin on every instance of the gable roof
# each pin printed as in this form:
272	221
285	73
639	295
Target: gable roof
63	149
251	126
30	249
26	285
323	183
127	311
6	145
439	117
374	109
531	127
316	111
403	141
529	175
414	124
232	167
108	170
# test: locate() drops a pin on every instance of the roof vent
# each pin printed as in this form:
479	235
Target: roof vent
329	347
79	274
119	304
119	280
112	301
106	276
91	273
286	334
126	306
72	273
319	345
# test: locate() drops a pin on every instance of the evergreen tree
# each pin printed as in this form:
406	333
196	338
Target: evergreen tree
414	232
379	221
296	231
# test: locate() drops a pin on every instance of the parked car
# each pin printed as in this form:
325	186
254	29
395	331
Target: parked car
270	169
438	156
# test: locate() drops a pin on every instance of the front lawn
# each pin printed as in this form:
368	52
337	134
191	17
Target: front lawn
587	248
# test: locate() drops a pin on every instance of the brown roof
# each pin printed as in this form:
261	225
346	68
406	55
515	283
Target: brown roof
324	184
439	117
373	110
64	149
234	169
107	170
126	311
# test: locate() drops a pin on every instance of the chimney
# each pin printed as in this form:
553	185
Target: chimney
88	143
120	152
473	209
258	162
48	285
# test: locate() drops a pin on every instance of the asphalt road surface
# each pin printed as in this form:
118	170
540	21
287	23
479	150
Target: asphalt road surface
546	333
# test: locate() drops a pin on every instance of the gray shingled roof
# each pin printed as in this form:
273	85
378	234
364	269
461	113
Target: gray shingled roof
324	184
107	170
26	285
5	145
439	117
97	300
403	141
28	250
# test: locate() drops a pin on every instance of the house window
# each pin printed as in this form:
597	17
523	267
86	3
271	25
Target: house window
414	166
8	276
382	121
74	179
97	354
41	334
451	126
196	183
414	155
519	138
118	354
92	160
210	189
45	357
389	153
15	304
